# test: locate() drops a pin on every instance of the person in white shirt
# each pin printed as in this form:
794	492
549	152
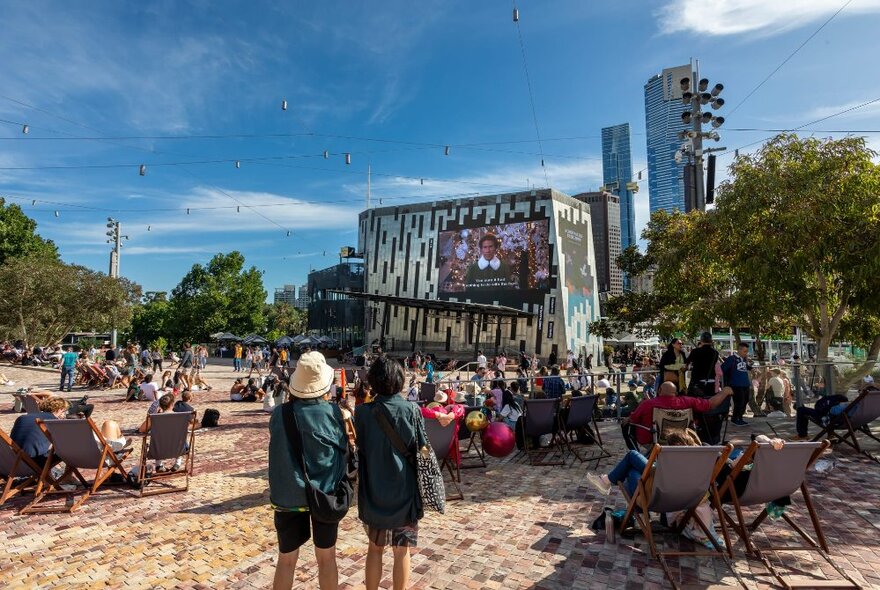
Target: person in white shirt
149	389
510	411
481	360
777	385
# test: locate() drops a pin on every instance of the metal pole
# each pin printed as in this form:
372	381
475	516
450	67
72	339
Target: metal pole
698	141
114	268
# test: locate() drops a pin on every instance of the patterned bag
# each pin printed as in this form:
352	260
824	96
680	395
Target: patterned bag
428	474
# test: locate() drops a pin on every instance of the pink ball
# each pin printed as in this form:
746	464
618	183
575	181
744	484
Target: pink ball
498	439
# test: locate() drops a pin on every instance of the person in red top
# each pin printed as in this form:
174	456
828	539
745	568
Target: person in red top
667	399
450	414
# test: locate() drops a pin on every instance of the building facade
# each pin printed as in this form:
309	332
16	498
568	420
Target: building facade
540	260
607	235
285	294
663	109
303	298
617	174
332	314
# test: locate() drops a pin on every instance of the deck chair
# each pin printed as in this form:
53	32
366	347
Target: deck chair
80	444
857	417
540	418
441	438
169	435
678	479
777	474
31	404
580	416
469	461
18	471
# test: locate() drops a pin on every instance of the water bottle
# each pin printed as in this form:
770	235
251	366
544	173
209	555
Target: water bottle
774	510
610	529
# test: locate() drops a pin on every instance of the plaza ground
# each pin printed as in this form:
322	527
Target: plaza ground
519	526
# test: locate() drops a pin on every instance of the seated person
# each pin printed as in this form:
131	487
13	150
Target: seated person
412	394
451	413
112	433
648	388
639	424
636	381
162	405
27	435
252	392
829	406
112	372
183	404
236	393
167	383
134	391
180	381
511	409
149	390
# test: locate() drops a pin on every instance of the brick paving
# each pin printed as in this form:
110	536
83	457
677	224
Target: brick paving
519	526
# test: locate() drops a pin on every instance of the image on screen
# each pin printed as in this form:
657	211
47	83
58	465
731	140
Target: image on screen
494	259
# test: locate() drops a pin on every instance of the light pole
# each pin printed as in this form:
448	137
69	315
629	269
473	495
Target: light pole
114	233
697	194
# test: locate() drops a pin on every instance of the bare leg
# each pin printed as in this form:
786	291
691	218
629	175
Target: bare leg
284	570
373	573
328	575
400	577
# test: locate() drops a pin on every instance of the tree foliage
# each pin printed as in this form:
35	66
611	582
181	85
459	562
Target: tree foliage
43	300
18	236
218	296
284	319
793	240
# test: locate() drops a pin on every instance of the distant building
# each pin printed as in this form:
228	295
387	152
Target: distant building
663	109
285	294
616	176
605	218
332	314
643	283
303	298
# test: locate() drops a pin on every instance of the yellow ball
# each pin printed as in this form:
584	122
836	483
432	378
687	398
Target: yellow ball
476	421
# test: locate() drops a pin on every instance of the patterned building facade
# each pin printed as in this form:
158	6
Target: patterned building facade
430	250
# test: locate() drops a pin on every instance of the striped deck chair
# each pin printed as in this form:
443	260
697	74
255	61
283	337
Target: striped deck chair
775	475
678	479
169	435
80	444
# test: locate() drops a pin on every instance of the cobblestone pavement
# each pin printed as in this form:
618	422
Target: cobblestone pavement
519	526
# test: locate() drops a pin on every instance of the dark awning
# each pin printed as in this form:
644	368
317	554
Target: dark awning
438	305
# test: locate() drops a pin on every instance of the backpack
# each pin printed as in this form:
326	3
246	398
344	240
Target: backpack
211	418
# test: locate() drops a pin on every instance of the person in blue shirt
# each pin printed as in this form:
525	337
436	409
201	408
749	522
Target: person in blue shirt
736	369
28	436
553	385
68	368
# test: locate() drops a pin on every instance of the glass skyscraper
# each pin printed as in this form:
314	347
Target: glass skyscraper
663	122
616	173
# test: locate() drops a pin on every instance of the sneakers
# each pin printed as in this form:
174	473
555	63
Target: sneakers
739	422
600	482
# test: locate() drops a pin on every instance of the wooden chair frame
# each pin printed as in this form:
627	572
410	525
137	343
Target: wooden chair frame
842	421
163	477
10	488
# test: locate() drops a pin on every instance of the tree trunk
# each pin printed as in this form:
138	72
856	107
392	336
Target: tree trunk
844	383
760	351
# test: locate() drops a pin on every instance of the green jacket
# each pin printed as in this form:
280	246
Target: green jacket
324	446
388	493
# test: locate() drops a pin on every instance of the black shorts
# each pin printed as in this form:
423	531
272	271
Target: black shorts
293	531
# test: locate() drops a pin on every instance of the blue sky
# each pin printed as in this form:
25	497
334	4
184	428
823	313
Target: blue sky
424	74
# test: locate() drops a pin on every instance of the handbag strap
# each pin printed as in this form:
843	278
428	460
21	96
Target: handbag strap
380	412
294	436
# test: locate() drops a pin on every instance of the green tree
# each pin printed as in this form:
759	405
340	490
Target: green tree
218	296
43	300
285	319
150	321
18	235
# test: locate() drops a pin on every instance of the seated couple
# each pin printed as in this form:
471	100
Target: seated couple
629	470
637	429
252	391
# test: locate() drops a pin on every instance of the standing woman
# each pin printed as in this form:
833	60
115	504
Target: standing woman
388	495
318	426
672	364
156	357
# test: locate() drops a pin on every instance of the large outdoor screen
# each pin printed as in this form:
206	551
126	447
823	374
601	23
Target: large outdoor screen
489	263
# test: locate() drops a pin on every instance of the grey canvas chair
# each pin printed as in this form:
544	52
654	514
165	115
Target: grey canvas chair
18	472
540	418
677	479
856	418
31	404
82	447
169	435
580	416
775	475
441	438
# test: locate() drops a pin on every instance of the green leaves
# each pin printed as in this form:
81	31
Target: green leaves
18	236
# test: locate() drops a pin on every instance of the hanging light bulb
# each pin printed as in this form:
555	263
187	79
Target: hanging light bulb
34	203
143	170
25	129
187	210
348	158
515	15
422	180
57	214
326	154
288	233
542	162
238	209
283	104
237	164
148	227
640	174
446	151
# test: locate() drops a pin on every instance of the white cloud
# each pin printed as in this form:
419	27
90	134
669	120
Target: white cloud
868	111
732	17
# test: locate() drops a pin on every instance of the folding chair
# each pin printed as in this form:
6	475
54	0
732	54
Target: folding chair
539	418
664	422
31	404
774	475
857	417
580	416
80	444
677	479
441	438
15	465
169	435
472	438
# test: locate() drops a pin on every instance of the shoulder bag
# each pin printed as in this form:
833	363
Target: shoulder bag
428	474
327	508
